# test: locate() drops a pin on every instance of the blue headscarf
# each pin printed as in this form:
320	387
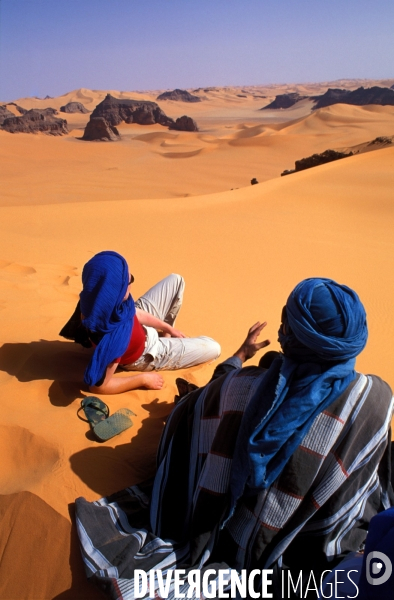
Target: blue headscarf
105	279
323	330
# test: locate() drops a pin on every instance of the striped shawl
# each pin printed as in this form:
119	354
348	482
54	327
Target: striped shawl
316	511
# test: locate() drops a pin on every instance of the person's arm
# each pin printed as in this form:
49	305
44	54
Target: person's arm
247	350
149	320
117	385
250	346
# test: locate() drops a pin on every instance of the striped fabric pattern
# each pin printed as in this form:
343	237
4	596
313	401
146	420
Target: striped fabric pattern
316	510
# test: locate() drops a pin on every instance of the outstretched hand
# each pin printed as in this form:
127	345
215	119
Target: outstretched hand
250	346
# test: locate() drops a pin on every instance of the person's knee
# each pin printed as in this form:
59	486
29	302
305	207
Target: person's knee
214	349
178	279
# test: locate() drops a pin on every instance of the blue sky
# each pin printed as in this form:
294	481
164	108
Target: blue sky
54	46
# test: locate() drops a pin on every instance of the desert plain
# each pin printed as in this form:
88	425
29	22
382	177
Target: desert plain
169	201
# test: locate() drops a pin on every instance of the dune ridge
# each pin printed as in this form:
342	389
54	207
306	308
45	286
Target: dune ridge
241	252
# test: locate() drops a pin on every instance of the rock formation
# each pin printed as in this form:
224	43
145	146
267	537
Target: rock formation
142	112
20	110
99	129
36	120
5	114
317	159
359	97
179	96
184	124
74	107
381	141
284	101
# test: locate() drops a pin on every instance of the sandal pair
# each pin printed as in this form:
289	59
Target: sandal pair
104	426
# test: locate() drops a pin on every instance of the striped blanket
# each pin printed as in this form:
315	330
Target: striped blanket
316	511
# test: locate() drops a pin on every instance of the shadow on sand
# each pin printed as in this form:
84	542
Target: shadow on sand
62	362
106	470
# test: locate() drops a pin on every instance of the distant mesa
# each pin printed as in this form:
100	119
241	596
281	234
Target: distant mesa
359	97
208	89
179	96
74	107
36	121
284	101
317	159
48	97
143	112
184	124
99	129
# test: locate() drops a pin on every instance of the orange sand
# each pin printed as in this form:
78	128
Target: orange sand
241	252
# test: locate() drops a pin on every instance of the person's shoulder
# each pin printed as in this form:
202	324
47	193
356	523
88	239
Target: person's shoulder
380	386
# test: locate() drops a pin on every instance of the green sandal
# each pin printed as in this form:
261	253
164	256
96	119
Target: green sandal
104	426
95	410
115	424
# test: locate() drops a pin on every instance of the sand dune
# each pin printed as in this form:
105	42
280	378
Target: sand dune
227	152
241	251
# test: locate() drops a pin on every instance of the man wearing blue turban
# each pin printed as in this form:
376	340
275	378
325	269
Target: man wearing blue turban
280	466
125	333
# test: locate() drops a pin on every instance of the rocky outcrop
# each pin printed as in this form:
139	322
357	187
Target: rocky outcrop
143	112
99	129
5	114
359	97
184	124
36	121
179	96
74	107
381	141
317	159
20	110
284	101
320	159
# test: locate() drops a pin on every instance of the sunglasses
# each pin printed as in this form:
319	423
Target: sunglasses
131	279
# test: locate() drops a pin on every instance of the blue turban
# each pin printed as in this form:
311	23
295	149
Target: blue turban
105	279
324	321
324	330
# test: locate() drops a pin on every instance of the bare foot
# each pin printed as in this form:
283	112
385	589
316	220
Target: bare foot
153	381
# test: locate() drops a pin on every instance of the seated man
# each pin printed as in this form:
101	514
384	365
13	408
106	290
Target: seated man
279	468
126	333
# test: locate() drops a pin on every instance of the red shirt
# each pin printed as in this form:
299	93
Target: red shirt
136	345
